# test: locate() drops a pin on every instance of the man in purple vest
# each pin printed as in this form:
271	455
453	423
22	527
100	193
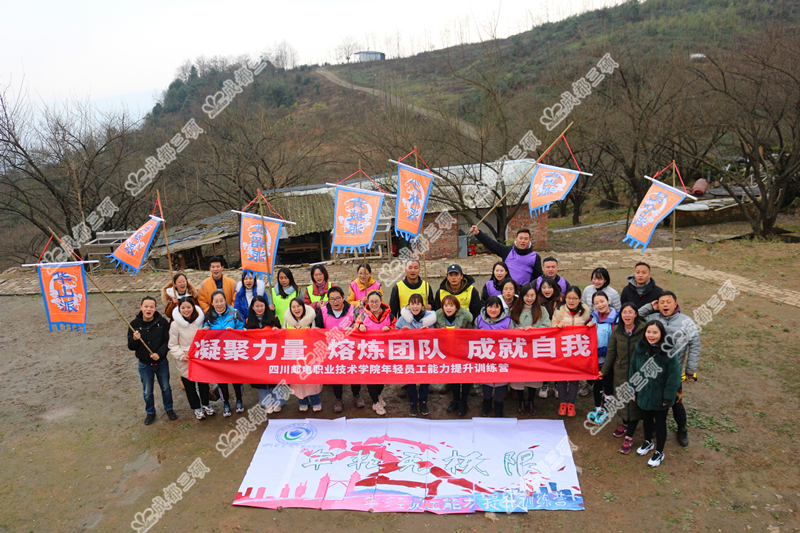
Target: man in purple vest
338	314
550	266
524	265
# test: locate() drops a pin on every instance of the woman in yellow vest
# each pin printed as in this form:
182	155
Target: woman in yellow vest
460	286
284	292
317	292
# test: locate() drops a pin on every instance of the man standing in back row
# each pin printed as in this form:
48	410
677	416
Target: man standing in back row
524	265
411	284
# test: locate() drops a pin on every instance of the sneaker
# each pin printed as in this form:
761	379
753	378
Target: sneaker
304	407
452	407
462	409
337	406
562	409
645	448
378	408
627	446
600	416
199	414
423	409
277	409
656	460
585	390
570	410
591	416
359	402
172	415
683	438
380	399
412	411
239	406
149	419
555	390
316	408
208	410
226	410
543	391
621	431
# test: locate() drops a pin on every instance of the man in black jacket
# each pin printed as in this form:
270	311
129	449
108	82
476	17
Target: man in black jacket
524	265
641	289
149	326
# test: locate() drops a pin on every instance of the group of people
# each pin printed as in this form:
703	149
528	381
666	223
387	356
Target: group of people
636	332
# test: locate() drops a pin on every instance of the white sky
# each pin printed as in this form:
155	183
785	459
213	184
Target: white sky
115	51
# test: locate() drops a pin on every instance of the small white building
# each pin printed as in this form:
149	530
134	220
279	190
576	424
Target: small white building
361	57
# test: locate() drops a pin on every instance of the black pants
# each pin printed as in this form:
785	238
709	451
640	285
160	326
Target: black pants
374	391
656	420
601	387
338	391
499	393
195	401
679	414
238	389
461	392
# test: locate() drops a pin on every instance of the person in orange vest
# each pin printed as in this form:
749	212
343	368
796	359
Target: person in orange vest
216	282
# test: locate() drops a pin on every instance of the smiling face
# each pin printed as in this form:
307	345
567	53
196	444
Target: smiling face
181	284
186	309
249	282
628	316
449	309
601	304
550	269
415	307
522	240
259	308
530	297
337	301
493	311
572	300
363	275
374	303
598	281
216	269
219	303
641	275
652	334
148	309
319	277
412	271
297	309
283	279
667	305
499	272
547	290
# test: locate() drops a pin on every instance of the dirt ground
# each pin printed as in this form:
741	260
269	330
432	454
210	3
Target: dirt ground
76	456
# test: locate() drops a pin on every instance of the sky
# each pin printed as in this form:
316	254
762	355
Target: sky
115	53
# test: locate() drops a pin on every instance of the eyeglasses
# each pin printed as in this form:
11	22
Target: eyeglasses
336	299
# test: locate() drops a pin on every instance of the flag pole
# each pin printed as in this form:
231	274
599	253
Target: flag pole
424	258
268	289
91	278
166	240
524	174
674	225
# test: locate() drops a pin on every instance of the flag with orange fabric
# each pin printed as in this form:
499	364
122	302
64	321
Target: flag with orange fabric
413	191
549	184
659	202
64	291
355	219
258	243
132	253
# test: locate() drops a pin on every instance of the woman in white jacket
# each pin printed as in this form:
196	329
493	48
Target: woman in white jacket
301	316
187	318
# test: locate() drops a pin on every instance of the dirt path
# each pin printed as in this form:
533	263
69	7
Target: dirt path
76	456
464	127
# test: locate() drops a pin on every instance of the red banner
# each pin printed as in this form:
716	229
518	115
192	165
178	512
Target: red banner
322	356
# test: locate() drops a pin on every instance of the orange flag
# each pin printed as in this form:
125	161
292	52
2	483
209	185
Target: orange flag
355	219
132	253
64	292
413	191
549	184
257	247
659	202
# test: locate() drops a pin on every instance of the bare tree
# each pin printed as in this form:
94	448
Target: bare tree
284	55
347	47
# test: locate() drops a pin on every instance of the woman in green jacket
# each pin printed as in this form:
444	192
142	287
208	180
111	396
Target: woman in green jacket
628	331
660	375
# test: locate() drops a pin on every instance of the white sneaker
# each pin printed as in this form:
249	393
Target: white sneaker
656	459
378	408
304	407
208	410
316	407
543	391
645	448
199	414
555	390
380	400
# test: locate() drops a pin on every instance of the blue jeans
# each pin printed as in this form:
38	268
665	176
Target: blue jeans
412	393
316	399
149	373
276	392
